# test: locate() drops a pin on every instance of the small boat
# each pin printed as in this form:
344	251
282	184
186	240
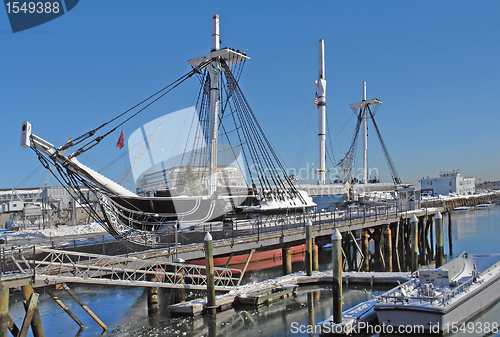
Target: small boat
439	300
461	209
354	320
486	205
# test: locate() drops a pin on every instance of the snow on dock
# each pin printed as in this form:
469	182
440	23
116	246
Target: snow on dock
276	285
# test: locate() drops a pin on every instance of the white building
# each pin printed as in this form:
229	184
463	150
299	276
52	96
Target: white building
446	183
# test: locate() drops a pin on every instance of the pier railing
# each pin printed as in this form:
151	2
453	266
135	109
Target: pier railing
257	226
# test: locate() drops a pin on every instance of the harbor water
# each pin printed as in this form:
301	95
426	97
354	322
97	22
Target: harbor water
124	309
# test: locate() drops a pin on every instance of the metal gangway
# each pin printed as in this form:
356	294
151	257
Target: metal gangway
51	266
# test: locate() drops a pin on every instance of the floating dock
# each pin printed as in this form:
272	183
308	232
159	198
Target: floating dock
282	287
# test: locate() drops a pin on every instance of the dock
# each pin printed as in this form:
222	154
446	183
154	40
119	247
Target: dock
300	279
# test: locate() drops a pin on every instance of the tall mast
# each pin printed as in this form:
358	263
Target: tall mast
321	95
214	70
365	137
363	106
216	55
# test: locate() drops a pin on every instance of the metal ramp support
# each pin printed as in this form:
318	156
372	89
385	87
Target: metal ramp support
52	266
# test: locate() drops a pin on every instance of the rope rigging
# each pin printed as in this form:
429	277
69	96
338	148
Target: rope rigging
159	94
392	167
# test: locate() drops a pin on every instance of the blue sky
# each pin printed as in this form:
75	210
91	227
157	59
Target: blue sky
434	64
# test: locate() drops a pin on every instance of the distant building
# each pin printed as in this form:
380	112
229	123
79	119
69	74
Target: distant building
447	183
43	206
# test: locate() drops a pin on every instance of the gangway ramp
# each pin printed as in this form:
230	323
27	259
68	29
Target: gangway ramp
51	266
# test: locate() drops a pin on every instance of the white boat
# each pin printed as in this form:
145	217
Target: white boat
439	300
354	320
461	209
486	205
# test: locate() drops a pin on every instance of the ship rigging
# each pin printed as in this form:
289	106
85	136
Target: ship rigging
223	126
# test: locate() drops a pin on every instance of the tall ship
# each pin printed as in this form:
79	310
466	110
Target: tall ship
222	137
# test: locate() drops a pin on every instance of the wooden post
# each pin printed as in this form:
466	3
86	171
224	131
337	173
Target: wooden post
65	308
377	239
209	264
366	250
36	322
178	295
421	239
4	312
309	248
450	236
87	309
438	219
337	276
315	257
431	231
414	243
30	305
388	249
286	256
152	297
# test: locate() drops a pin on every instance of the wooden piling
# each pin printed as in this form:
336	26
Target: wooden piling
178	295
421	240
31	305
4	312
84	306
36	322
309	248
438	220
414	243
286	256
209	264
65	308
337	276
152	297
431	231
366	250
315	257
450	236
388	249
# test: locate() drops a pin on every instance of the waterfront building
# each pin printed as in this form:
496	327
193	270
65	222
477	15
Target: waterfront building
447	183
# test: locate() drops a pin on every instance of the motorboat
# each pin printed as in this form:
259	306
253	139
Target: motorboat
486	205
439	300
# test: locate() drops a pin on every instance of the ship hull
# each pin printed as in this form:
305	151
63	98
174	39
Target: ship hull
260	260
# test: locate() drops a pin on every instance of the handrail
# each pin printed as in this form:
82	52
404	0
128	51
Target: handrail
442	298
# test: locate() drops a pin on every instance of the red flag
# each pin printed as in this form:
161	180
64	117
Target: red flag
121	141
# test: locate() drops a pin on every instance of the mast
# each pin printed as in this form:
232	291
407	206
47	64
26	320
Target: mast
321	95
363	106
213	69
365	137
231	57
